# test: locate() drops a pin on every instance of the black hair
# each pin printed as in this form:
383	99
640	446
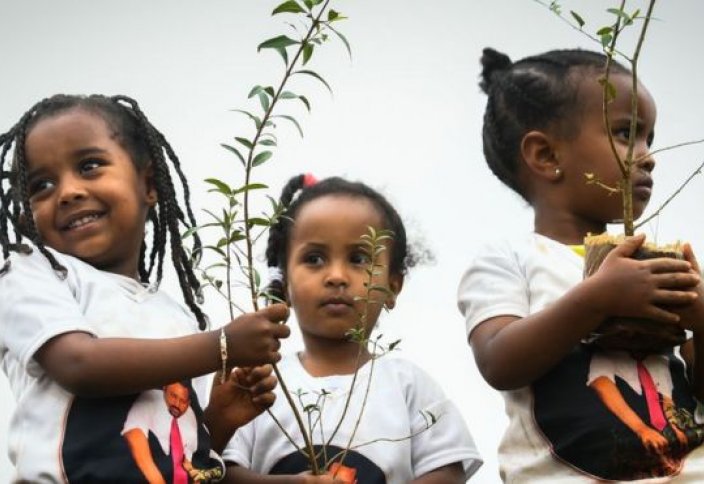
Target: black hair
401	257
147	148
535	93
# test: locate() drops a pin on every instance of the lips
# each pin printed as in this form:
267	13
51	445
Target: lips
643	187
79	219
338	301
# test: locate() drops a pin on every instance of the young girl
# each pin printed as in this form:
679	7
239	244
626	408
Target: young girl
103	365
316	246
577	413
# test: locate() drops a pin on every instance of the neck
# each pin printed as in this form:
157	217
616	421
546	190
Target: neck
332	357
564	227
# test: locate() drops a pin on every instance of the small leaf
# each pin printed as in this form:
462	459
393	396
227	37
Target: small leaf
332	15
293	120
344	41
220	185
261	158
610	91
394	344
604	30
270	91
606	40
189	232
245	142
267	142
255	90
290	6
619	13
279	42
577	18
235	151
304	100
257	121
316	75
258	221
264	101
307	52
287	95
309	4
251	186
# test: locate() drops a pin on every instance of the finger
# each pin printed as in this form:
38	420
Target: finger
689	257
276	313
659	314
666	264
259	373
281	331
265	400
628	247
264	386
673	280
674	298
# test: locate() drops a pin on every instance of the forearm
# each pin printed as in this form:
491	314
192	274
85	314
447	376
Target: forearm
219	435
237	475
97	367
514	352
450	474
613	400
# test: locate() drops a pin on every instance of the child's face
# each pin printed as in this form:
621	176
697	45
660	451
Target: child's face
589	151
327	266
88	199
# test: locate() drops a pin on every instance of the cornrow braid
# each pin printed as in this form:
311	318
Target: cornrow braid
296	195
148	149
535	93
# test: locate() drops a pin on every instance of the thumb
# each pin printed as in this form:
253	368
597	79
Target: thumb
628	247
276	313
689	257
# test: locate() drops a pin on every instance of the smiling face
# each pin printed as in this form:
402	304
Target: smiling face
589	152
327	265
88	199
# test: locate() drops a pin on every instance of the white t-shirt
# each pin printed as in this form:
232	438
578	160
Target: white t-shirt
559	430
55	436
399	392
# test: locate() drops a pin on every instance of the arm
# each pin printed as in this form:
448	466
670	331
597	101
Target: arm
613	400
139	448
95	367
245	395
449	474
512	352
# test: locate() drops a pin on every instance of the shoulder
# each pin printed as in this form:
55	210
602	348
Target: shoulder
407	374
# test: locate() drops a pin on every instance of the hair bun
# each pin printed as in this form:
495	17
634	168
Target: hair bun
493	62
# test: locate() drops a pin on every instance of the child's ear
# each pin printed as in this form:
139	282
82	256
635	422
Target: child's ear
150	184
395	285
539	154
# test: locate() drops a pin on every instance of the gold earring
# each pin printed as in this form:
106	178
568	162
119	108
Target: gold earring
558	173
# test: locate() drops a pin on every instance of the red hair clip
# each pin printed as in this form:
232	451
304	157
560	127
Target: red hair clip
309	180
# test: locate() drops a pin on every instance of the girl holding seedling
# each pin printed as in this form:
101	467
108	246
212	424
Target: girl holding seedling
577	412
409	432
105	368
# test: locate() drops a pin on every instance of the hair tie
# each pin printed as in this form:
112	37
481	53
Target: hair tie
309	180
275	274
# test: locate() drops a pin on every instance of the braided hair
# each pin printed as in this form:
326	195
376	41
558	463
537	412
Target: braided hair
146	147
535	93
401	257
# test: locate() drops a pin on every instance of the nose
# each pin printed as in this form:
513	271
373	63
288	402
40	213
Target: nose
644	159
336	275
70	190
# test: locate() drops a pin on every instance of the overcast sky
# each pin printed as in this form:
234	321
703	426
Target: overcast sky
405	118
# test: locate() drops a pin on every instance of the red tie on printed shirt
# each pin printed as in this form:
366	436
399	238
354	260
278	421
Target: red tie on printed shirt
180	475
657	417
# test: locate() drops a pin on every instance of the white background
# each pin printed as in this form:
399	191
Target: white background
405	117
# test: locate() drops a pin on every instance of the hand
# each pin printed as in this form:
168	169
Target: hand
253	338
652	440
643	288
245	394
692	315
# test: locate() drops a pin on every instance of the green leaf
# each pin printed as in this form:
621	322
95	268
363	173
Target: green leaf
235	151
220	185
267	142
288	95
316	75
307	52
604	31
257	121
264	101
261	158
344	40
244	142
258	221
309	4
577	18
293	120
280	42
333	15
255	90
394	344
610	89
304	100
189	232
290	6
606	39
270	91
251	186
619	13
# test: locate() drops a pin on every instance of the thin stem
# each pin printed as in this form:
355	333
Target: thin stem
671	197
668	148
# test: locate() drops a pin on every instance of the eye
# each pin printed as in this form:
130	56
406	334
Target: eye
360	258
314	259
622	133
89	165
39	186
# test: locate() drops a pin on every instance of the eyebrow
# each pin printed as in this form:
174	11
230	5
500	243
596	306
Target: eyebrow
80	153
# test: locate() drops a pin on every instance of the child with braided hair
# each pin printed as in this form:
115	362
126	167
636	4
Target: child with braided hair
106	370
322	264
576	412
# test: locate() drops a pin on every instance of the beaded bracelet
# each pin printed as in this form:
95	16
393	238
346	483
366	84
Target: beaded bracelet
223	354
